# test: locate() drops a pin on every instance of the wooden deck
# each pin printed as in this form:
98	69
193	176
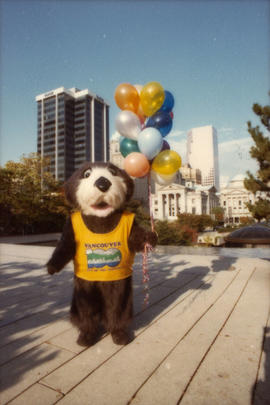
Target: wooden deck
204	338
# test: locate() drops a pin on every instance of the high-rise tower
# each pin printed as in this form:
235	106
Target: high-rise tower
202	153
73	126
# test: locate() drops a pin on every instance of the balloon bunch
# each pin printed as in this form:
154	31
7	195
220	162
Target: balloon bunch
145	118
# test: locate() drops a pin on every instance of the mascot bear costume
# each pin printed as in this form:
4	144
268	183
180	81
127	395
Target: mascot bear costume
101	238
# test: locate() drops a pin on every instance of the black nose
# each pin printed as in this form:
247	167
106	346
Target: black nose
103	184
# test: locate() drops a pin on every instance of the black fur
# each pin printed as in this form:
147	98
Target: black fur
98	304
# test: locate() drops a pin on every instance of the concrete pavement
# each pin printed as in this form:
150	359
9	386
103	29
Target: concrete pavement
204	337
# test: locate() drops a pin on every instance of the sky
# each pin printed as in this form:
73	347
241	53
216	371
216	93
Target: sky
212	55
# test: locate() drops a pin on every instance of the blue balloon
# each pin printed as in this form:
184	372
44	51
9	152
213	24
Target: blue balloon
168	102
150	142
162	121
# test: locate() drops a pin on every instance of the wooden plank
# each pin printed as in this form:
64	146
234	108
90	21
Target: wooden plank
64	379
37	394
122	374
230	368
29	310
29	341
34	322
169	381
30	367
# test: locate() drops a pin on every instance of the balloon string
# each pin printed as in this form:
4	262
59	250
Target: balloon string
147	248
150	202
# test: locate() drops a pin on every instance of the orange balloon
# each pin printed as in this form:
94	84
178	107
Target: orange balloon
141	114
127	97
136	164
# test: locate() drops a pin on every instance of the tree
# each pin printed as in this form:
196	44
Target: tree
259	185
196	222
218	213
171	233
245	221
29	196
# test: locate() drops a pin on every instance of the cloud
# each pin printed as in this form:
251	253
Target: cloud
175	134
234	157
225	130
239	146
115	136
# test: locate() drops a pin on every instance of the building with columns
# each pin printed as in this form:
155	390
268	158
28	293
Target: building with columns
73	127
174	199
233	199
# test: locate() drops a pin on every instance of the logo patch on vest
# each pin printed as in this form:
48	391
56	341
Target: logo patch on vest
99	258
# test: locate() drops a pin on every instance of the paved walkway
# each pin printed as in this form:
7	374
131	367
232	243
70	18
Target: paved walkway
203	339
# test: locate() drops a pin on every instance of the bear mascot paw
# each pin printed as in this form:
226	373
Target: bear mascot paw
101	238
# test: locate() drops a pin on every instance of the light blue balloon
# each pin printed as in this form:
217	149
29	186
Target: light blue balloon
150	142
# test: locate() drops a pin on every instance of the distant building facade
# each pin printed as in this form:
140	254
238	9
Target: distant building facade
190	176
73	126
116	156
202	154
233	199
174	199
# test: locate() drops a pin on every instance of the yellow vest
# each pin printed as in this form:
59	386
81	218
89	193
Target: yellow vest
105	256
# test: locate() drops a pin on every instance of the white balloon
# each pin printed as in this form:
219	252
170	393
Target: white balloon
164	179
128	124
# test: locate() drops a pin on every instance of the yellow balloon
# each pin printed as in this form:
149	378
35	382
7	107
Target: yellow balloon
152	97
166	162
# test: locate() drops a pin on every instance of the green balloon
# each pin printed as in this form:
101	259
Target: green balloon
128	146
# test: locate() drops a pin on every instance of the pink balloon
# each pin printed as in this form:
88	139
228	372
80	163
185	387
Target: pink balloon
136	164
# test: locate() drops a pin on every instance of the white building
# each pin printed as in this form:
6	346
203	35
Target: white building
190	175
202	153
233	199
115	155
169	201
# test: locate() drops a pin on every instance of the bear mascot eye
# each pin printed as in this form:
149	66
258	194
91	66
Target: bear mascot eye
87	173
112	170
